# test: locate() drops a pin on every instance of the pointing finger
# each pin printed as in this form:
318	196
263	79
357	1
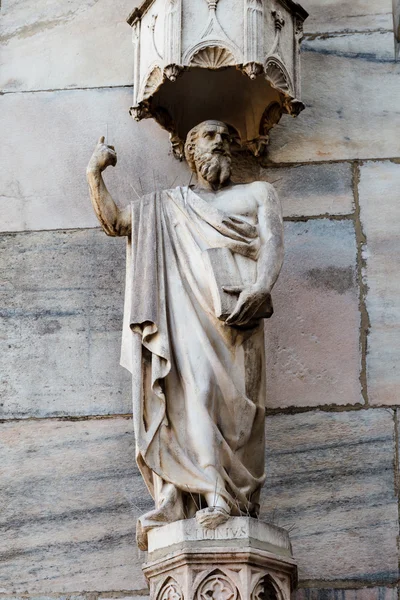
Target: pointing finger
101	140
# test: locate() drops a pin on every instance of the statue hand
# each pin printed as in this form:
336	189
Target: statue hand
102	157
249	301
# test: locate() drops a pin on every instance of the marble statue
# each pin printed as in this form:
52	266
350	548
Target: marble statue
202	261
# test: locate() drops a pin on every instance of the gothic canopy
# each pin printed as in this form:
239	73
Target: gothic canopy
233	60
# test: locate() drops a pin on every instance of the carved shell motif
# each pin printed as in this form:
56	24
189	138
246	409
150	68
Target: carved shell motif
278	76
170	591
153	82
217	587
212	57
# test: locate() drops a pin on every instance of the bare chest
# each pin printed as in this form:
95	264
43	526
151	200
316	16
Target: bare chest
233	202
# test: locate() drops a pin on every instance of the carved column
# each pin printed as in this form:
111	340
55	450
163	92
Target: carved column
243	559
172	38
136	60
254	18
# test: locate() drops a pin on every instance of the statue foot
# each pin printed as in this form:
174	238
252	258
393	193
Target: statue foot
212	517
170	511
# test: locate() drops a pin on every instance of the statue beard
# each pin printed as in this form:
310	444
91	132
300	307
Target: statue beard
214	167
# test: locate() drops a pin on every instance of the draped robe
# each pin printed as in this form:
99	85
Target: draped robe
198	384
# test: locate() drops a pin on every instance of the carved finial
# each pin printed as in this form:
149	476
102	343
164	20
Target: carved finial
252	69
172	72
279	19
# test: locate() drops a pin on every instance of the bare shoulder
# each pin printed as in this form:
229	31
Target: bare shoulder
264	193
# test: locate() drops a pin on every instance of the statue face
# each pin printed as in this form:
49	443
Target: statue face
213	138
212	153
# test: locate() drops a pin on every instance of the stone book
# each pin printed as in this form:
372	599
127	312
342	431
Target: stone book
224	272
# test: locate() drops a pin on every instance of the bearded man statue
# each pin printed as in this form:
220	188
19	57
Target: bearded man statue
202	262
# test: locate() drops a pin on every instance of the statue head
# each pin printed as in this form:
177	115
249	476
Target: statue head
208	152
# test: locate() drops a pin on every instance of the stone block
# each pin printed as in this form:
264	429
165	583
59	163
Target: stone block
49	45
48	140
379	593
380	217
313	338
348	80
330	481
60	327
341	15
312	190
69	498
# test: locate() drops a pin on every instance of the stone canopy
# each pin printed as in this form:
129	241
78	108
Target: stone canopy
237	61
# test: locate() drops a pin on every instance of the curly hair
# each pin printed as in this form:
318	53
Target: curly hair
191	140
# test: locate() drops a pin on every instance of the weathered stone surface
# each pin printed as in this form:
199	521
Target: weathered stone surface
330	479
342	15
60	328
312	339
380	217
69	499
347	80
62	315
54	45
146	598
136	598
49	597
379	593
311	190
48	140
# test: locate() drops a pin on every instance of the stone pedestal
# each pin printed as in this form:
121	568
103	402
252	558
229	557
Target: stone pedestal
243	559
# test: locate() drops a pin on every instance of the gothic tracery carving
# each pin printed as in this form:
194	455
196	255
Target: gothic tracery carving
170	591
264	590
217	587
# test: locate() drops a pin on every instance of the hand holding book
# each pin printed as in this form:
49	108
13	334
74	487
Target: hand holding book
253	303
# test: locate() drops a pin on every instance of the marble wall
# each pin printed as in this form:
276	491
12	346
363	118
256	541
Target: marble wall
69	488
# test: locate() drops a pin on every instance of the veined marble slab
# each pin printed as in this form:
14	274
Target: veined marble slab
312	339
330	481
49	45
313	190
70	495
380	217
49	138
376	593
342	15
62	308
347	82
61	314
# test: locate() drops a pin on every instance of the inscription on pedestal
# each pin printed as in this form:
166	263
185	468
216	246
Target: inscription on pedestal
223	533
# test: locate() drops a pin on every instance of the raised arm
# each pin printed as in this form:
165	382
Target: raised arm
114	221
